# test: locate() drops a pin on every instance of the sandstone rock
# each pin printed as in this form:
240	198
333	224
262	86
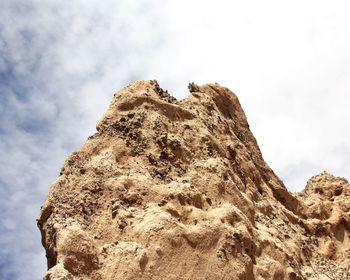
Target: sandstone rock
178	189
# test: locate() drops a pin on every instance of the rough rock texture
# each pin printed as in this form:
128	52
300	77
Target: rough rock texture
169	189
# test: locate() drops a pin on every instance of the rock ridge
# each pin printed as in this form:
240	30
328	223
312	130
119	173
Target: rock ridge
179	189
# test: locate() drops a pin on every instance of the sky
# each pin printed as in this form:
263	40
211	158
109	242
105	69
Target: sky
62	61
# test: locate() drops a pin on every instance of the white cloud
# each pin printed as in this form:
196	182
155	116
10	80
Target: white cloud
60	63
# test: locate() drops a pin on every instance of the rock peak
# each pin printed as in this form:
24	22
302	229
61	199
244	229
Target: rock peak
170	189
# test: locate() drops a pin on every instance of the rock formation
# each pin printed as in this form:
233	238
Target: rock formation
169	189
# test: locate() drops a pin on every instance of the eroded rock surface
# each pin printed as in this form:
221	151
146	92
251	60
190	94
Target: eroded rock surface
169	189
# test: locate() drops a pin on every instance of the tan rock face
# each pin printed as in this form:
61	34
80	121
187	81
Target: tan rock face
171	189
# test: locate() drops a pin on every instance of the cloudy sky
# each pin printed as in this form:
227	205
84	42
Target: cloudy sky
61	62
